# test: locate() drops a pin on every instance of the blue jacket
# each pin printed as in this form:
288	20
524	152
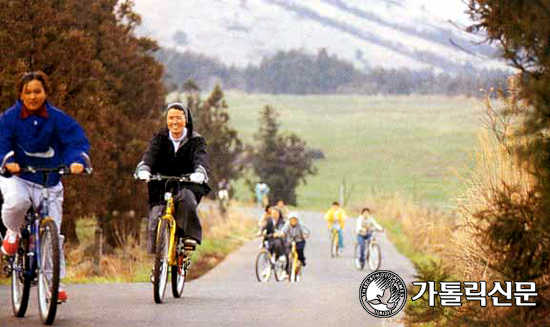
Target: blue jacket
42	142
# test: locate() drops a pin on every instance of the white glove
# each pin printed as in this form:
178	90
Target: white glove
144	175
197	178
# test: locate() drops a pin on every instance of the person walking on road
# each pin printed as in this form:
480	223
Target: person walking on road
262	193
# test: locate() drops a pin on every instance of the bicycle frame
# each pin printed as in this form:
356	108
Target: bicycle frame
169	214
169	217
37	222
294	255
334	241
373	239
34	225
334	233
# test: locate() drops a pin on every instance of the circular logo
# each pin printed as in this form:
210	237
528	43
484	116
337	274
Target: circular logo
383	293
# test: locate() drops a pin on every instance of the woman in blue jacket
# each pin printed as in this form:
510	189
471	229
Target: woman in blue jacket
40	136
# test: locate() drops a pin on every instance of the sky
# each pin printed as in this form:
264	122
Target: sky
447	9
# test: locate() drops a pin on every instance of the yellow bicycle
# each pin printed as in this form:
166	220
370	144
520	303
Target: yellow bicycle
334	242
295	264
169	251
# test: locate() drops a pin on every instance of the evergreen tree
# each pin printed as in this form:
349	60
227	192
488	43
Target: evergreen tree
514	230
281	161
211	120
105	78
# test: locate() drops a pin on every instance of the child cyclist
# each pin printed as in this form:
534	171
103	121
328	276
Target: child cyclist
336	217
294	231
364	228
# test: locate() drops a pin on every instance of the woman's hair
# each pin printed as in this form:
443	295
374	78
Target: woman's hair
267	207
278	211
365	209
25	78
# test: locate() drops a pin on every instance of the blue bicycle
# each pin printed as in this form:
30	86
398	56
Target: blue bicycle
37	261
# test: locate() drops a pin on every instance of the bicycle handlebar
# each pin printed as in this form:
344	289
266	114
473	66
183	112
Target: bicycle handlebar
160	177
5	160
62	170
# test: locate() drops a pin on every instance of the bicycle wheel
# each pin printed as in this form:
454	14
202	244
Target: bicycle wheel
294	269
279	266
20	285
375	256
263	266
179	274
334	245
160	271
48	273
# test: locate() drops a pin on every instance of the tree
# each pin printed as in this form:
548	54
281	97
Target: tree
211	120
514	229
281	161
105	78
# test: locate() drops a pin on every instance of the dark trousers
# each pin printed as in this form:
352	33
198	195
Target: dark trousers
187	218
300	249
276	247
186	215
363	242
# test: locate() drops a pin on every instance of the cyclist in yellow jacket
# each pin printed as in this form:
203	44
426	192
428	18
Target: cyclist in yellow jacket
336	217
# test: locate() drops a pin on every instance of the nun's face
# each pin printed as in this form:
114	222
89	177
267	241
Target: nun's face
175	119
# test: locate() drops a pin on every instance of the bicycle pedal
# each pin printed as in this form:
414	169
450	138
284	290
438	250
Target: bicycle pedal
189	244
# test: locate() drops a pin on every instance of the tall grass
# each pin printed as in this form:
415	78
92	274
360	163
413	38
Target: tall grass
422	233
498	236
497	169
132	263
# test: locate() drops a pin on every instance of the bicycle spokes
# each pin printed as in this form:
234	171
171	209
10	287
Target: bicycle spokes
46	265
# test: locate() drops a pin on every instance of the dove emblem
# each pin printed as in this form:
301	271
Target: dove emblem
383	293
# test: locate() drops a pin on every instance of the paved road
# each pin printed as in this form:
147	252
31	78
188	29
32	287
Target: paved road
229	295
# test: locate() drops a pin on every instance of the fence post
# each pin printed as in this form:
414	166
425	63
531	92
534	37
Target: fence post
99	247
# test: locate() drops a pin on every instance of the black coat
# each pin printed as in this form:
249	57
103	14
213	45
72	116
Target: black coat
160	158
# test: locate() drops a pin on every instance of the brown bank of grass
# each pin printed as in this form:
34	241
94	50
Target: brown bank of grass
424	235
419	232
131	263
493	237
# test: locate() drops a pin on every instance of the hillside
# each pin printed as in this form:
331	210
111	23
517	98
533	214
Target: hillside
370	33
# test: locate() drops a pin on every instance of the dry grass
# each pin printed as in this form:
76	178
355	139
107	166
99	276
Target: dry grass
500	198
421	233
495	165
131	263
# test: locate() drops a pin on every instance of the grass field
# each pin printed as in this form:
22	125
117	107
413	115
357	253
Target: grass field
413	146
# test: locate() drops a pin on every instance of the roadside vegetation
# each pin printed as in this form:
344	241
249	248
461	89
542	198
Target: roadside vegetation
499	233
131	263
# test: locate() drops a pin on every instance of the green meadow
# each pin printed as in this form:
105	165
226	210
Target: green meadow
415	147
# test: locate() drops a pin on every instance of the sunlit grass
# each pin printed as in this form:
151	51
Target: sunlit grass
131	263
412	146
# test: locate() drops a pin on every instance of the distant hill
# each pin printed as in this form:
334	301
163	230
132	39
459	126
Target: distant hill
369	33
